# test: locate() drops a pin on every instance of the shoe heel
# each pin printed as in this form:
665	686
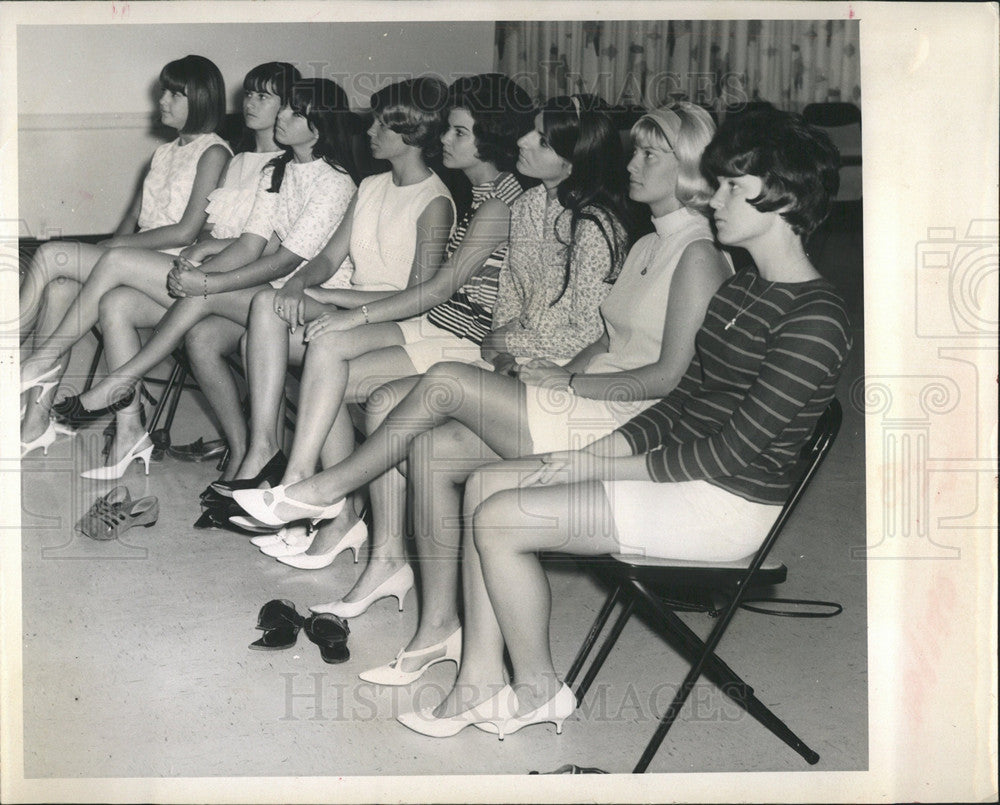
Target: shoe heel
559	726
146	455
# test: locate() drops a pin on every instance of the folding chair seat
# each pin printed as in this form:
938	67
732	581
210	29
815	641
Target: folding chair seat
660	588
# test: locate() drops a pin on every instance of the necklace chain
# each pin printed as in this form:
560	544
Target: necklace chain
745	306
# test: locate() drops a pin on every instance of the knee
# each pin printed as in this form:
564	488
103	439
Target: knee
491	520
61	291
114	303
262	304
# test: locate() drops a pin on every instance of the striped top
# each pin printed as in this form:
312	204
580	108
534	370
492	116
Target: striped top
753	392
469	312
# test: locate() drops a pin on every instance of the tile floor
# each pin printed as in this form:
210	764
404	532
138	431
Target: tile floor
136	663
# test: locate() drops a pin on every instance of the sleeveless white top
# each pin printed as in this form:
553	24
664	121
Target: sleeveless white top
167	186
636	307
230	204
384	231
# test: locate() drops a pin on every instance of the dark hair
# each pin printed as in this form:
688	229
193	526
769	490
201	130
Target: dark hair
275	77
414	109
797	164
324	105
201	82
502	113
578	128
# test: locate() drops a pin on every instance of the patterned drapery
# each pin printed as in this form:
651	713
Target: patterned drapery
711	62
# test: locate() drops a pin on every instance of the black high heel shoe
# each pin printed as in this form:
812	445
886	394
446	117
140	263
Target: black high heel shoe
329	632
271	473
72	413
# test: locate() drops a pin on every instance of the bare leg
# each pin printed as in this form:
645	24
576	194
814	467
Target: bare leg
491	405
207	345
141	269
505	587
170	332
56	297
439	463
51	261
325	378
123	312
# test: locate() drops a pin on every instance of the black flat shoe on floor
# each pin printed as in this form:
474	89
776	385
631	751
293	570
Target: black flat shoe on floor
280	623
270	474
329	632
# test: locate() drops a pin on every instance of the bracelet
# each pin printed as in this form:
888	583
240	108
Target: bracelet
569	384
205	279
364	312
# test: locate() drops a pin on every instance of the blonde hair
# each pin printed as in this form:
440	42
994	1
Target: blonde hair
688	144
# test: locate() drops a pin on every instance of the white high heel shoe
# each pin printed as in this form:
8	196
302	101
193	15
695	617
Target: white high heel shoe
142	449
496	710
46	439
253	503
397	585
556	710
353	539
392	674
41	380
272	538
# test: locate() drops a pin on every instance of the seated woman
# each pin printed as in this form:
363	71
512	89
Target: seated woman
700	475
566	245
266	89
650	319
168	211
372	344
300	200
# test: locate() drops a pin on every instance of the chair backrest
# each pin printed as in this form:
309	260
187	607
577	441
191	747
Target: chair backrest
810	459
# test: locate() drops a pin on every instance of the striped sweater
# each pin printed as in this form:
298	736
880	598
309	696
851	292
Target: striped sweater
753	391
468	313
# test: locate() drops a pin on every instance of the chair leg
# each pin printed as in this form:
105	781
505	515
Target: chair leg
98	351
605	649
592	635
721	674
168	403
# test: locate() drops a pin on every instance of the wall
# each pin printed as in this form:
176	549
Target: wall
86	95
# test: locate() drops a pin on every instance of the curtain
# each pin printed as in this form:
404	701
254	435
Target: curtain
715	63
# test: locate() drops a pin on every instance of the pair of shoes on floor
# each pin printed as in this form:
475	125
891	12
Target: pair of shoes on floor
198	450
272	472
572	768
397	585
497	716
392	674
115	513
141	450
496	710
353	539
281	623
46	439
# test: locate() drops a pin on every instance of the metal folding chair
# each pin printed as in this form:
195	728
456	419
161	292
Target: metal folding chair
663	587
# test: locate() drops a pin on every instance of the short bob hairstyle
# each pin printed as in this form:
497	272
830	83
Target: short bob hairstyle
275	77
796	163
688	143
414	109
201	82
502	113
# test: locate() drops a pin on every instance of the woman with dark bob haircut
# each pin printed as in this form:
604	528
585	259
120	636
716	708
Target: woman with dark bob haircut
700	475
302	195
165	215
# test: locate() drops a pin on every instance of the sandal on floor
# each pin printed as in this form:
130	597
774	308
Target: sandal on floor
113	521
329	633
280	623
